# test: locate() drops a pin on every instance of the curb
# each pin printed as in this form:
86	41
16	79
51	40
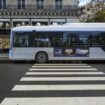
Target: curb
4	60
4	57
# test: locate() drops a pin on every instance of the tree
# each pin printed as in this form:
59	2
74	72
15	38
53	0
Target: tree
95	12
100	16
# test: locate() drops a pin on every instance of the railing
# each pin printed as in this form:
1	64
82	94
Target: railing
40	8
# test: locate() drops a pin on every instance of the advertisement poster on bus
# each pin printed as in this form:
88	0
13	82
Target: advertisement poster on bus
71	52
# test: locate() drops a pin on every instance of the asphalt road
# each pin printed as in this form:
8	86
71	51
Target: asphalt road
51	84
10	73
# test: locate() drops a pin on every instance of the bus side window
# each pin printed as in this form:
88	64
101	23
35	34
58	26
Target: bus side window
21	41
96	39
102	39
42	39
16	41
24	41
67	39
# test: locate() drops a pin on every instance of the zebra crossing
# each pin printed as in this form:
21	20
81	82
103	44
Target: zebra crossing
64	84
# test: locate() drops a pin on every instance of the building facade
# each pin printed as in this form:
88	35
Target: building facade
30	12
97	0
21	12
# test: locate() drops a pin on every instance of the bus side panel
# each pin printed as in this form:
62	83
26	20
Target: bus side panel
95	53
29	53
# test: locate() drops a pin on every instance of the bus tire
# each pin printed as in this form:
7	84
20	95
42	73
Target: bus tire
41	57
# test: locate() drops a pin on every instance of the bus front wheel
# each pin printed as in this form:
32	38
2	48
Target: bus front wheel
41	57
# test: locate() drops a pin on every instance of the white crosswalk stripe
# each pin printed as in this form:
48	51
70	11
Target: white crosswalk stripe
62	73
56	73
76	66
57	87
55	101
60	64
62	79
33	69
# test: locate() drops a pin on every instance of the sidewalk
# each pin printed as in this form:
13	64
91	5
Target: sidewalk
4	57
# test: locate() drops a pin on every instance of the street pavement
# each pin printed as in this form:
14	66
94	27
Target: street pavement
53	84
4	57
10	74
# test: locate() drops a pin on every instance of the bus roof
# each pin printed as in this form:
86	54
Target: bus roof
65	27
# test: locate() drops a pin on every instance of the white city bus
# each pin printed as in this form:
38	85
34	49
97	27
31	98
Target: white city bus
74	41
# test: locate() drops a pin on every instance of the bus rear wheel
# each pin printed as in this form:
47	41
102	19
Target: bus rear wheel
41	57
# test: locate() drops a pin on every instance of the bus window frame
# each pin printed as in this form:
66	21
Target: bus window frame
90	41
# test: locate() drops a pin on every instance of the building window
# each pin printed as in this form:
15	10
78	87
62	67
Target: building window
21	4
58	4
40	4
20	23
2	4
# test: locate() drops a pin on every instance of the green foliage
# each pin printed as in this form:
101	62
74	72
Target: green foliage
90	20
100	16
99	12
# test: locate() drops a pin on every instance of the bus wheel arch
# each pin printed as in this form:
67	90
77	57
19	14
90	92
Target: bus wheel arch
41	57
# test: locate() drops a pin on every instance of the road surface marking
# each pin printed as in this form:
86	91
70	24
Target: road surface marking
63	73
33	69
61	66
55	101
62	78
57	87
